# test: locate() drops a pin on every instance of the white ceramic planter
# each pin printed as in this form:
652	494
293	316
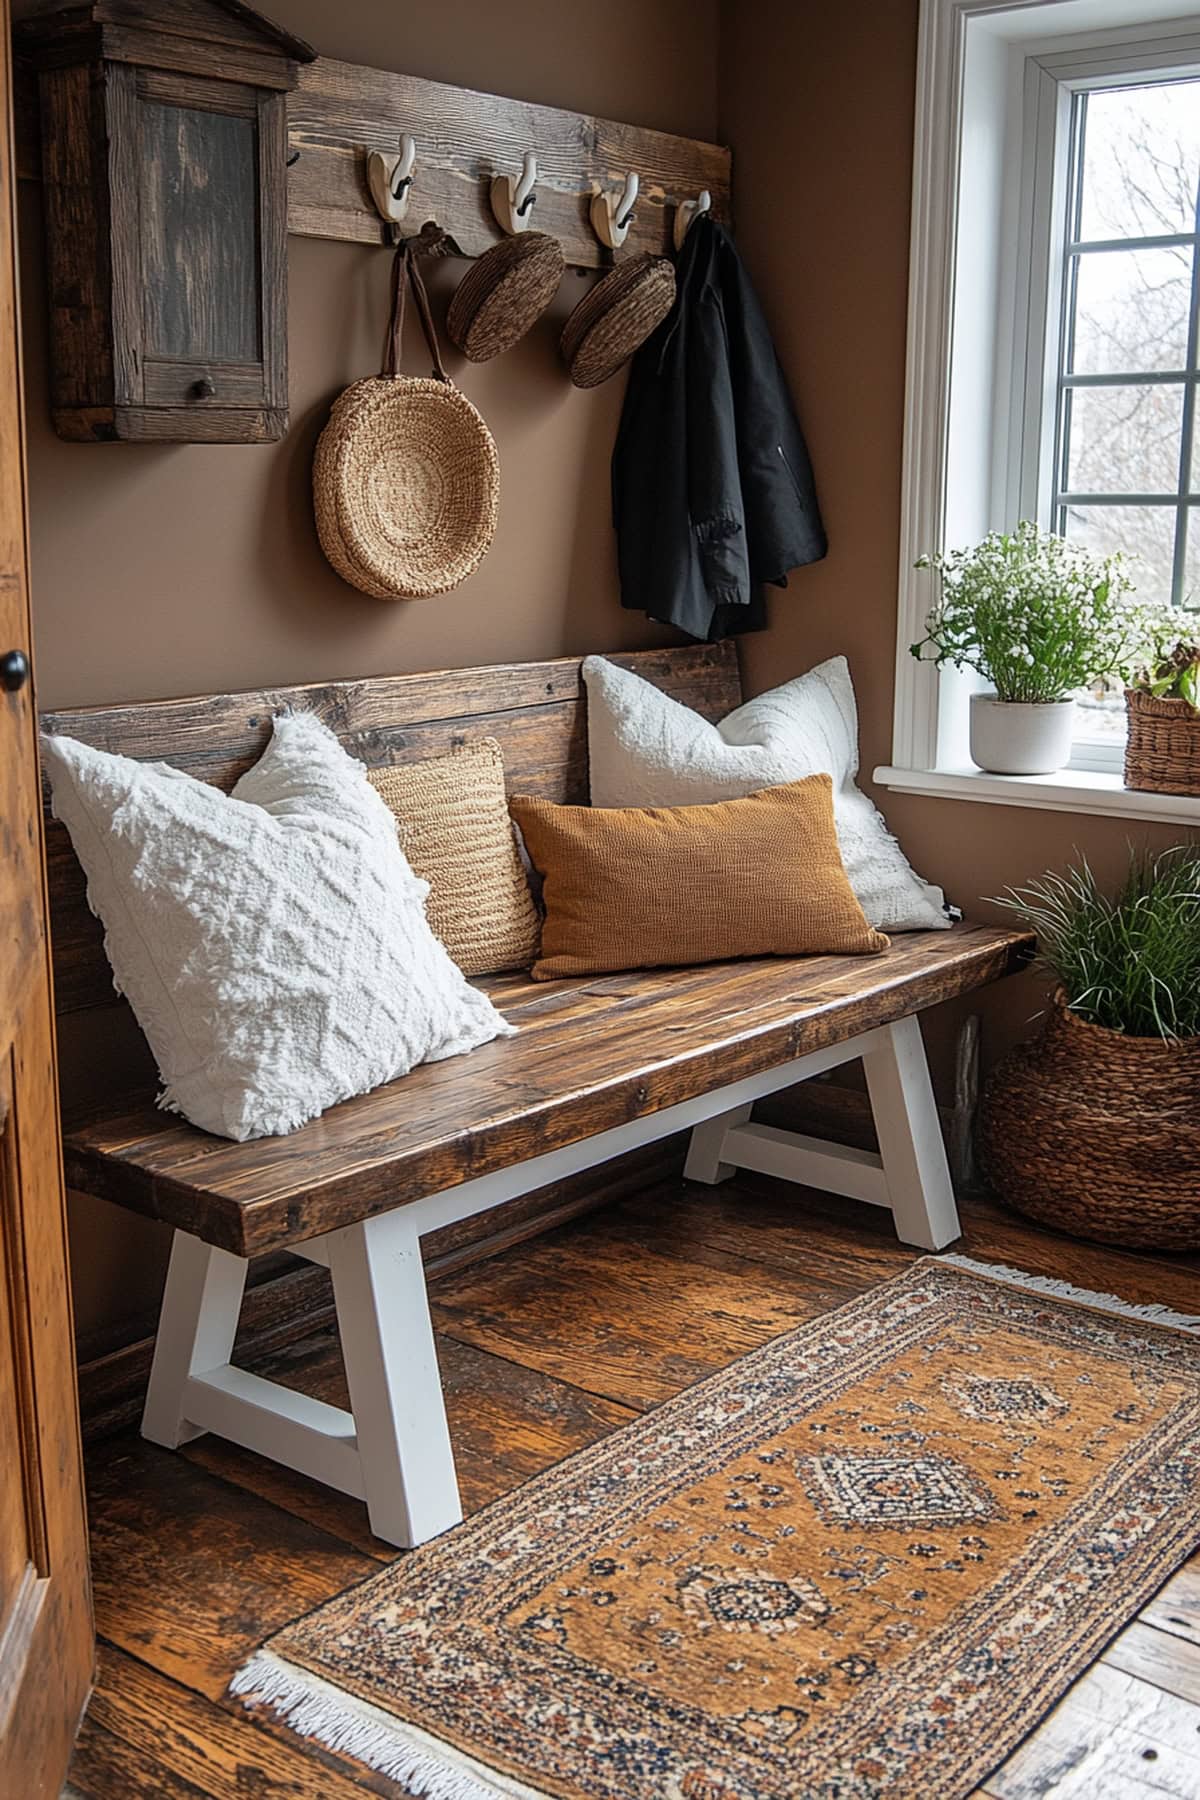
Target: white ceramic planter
1011	737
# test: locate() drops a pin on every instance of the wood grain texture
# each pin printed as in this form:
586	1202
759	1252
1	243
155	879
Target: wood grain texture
158	1732
535	710
589	1055
166	221
340	111
288	1300
45	1616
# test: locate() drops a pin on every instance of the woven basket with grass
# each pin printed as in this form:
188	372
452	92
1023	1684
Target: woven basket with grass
1098	1133
1162	751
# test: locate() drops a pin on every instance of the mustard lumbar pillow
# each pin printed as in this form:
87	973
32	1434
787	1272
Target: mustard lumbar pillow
646	749
452	814
644	887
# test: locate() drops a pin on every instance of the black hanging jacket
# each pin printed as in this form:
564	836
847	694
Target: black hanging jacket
712	487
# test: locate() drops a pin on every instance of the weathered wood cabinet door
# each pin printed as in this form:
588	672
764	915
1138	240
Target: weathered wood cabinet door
45	1614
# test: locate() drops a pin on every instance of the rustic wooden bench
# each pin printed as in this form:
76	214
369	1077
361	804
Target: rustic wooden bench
600	1066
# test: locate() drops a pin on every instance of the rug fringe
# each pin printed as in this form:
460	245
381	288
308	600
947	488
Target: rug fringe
1153	1313
342	1723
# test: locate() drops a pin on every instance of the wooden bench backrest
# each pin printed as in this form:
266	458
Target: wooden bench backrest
536	711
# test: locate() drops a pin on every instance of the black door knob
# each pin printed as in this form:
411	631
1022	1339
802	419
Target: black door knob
14	671
204	389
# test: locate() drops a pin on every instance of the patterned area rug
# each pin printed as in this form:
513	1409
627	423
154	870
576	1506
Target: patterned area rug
862	1561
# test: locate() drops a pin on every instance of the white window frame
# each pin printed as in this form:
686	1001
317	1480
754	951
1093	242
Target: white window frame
985	291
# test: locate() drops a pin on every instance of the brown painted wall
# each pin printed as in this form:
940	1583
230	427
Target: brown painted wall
817	102
187	569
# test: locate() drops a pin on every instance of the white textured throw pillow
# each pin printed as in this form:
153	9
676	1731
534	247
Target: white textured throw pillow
272	942
645	749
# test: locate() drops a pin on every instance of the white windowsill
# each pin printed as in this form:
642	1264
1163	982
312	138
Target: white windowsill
1071	790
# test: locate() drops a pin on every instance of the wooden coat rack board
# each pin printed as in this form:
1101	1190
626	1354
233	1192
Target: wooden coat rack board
339	111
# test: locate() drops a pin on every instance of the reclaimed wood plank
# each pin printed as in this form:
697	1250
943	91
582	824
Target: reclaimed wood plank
1170	1663
1176	1607
146	1735
629	1046
644	1325
1111	1738
535	710
190	1573
341	111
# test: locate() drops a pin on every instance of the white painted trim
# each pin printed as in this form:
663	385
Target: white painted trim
1071	790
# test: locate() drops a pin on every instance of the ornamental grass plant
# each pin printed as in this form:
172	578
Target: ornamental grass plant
1129	961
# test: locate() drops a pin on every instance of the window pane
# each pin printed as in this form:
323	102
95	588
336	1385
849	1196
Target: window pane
1191	568
1141	161
1146	533
1131	311
1124	440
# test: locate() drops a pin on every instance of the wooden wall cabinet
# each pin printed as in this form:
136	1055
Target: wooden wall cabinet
164	151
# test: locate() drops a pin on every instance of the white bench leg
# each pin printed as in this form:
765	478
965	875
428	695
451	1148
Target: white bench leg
395	1388
196	1329
705	1146
909	1175
910	1138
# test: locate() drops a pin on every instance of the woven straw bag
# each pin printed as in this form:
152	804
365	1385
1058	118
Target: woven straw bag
406	478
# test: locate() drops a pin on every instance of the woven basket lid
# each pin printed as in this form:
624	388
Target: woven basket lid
616	318
406	479
503	293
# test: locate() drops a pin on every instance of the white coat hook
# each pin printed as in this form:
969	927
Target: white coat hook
513	198
612	217
390	178
687	212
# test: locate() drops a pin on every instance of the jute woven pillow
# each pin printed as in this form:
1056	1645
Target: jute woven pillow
452	814
644	887
406	479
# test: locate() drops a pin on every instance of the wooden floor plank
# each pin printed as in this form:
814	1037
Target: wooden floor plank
176	1743
1176	1609
190	1573
633	1329
1171	1663
1111	1738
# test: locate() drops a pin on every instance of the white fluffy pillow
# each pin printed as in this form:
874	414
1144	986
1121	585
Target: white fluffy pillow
645	749
273	941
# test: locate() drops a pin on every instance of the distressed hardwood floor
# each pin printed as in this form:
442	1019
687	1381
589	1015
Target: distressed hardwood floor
199	1555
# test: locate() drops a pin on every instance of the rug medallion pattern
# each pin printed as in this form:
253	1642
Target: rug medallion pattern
860	1562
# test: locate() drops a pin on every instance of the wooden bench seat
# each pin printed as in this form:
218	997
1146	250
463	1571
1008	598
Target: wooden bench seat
593	1055
599	1066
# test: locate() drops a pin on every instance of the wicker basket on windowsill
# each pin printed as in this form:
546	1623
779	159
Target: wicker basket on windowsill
1162	751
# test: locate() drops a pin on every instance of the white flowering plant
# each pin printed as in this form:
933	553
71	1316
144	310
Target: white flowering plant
1036	616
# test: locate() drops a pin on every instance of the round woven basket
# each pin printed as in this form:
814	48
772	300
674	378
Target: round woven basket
406	479
1098	1133
616	317
1162	750
504	293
